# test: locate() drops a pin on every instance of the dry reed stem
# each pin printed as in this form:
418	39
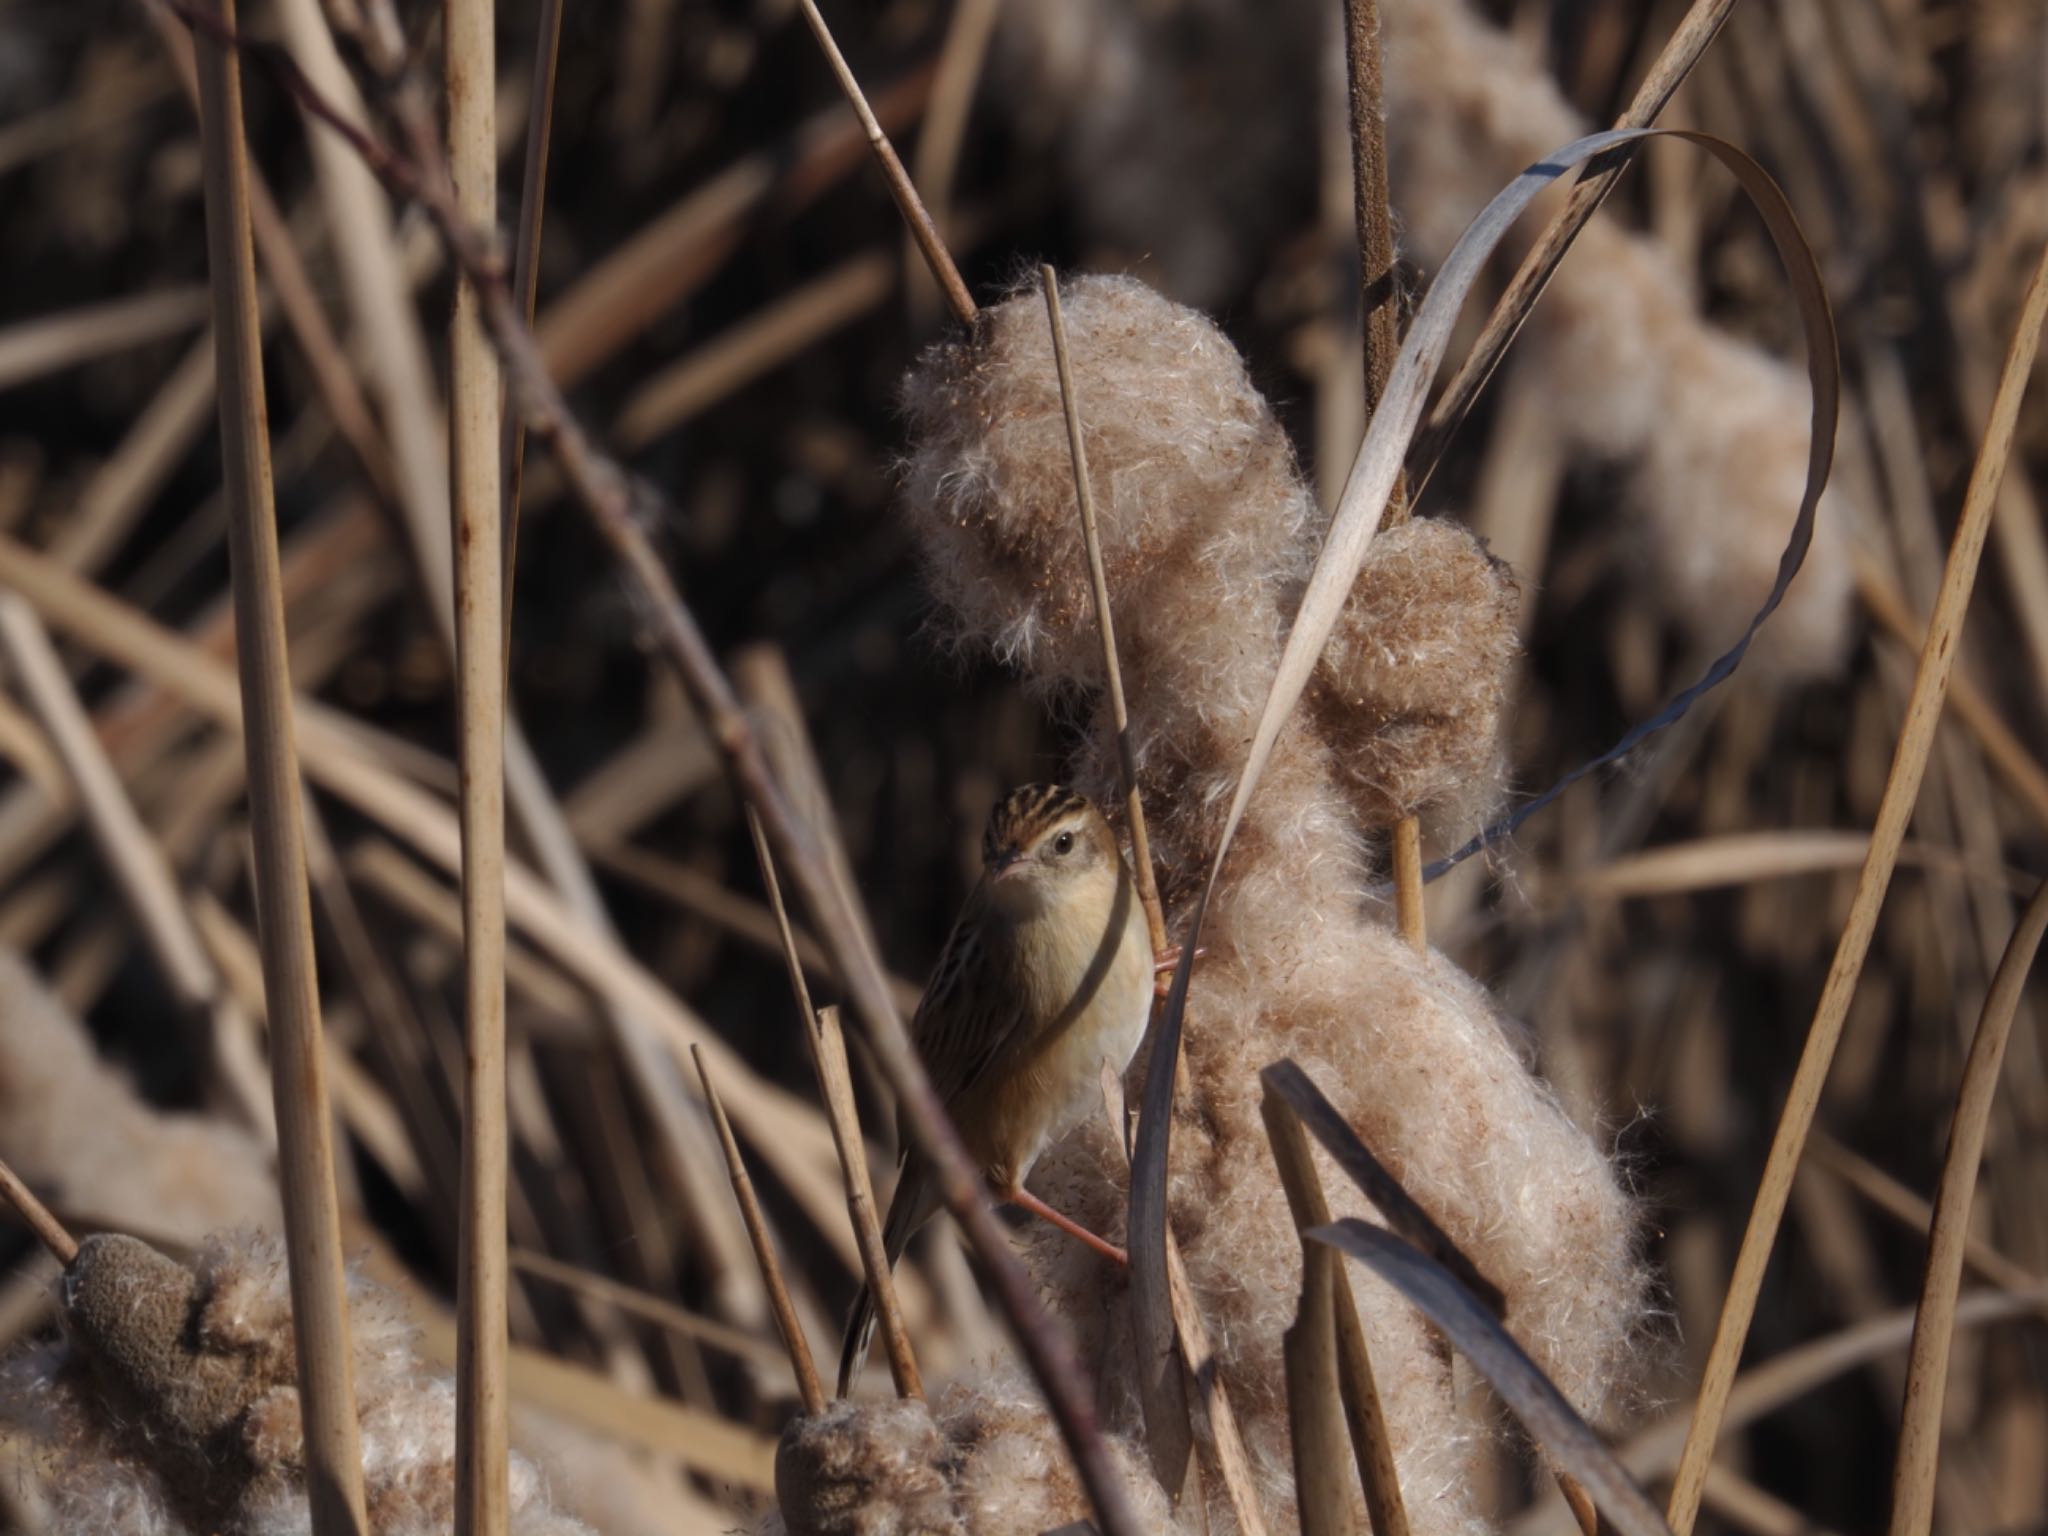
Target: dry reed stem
138	865
937	155
2000	744
1902	787
746	350
1380	320
778	1123
533	188
638	1303
33	348
619	295
1226	1441
333	379
1371	1447
1914	1212
1408	913
1934	1322
49	1231
156	441
1694	32
764	1250
379	293
1134	805
607	497
1162	1390
1315	1412
827	1049
477	510
908	203
704	897
326	1366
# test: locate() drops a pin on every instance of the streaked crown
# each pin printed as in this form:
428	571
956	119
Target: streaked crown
1025	815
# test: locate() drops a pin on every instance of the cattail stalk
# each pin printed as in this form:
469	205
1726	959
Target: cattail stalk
482	1443
312	1217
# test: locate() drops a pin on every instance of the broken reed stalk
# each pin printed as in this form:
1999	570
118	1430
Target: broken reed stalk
312	1215
1934	1323
786	1321
1895	810
49	1231
1371	1448
611	501
1169	1435
1380	317
922	229
482	1403
1098	582
1695	31
533	189
835	1089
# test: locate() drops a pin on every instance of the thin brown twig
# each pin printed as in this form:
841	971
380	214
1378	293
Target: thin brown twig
1098	580
922	230
835	1088
764	1250
612	502
326	1359
48	1229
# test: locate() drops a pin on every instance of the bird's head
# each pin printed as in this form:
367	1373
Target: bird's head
1047	845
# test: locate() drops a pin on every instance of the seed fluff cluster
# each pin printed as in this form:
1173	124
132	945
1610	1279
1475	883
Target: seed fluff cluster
1208	536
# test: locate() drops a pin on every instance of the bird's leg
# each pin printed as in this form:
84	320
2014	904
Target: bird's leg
1164	963
1023	1199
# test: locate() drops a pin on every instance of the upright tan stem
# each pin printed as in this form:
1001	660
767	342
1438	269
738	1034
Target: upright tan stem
482	1501
312	1217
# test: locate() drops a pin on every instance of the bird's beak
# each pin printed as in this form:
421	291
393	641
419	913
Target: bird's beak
1006	865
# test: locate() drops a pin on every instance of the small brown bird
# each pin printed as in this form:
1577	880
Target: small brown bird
1048	973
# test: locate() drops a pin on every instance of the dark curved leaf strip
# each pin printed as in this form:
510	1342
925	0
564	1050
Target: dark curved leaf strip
1320	1118
1359	511
1551	1421
1823	368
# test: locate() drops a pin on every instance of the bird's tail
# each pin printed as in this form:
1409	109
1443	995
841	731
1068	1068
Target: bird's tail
910	1208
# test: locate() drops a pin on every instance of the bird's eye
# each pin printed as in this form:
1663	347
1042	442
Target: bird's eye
1064	843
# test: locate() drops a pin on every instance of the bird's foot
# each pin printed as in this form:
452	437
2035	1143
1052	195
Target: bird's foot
1164	963
1023	1199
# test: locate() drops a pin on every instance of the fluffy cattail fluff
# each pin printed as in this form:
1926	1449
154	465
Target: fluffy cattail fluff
1208	534
75	1128
171	1404
1712	431
1413	683
986	1461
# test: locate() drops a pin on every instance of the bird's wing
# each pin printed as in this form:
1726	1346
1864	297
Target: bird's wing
968	1013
